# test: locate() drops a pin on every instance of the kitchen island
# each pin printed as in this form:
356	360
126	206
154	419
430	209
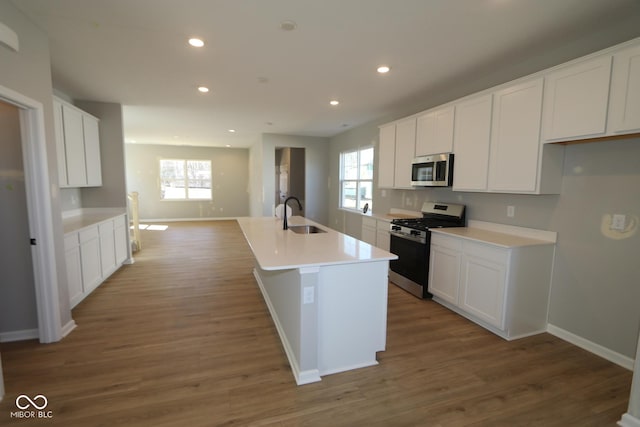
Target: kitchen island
326	292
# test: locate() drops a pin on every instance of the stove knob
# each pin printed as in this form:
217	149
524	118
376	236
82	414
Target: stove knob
395	227
415	233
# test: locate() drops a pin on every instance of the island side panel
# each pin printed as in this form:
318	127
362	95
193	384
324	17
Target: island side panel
295	321
352	315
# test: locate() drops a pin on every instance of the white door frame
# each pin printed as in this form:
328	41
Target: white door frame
36	171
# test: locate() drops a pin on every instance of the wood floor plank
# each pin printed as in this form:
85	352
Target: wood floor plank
183	338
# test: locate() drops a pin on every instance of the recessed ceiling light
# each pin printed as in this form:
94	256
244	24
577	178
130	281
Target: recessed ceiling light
228	145
288	25
196	42
384	69
232	130
203	89
334	102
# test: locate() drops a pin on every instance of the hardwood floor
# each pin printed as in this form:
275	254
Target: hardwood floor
183	338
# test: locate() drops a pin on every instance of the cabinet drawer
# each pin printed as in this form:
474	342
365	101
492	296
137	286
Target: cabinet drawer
383	225
71	241
487	252
369	222
88	234
453	243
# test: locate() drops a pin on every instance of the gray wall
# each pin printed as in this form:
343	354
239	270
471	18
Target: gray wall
28	72
262	191
229	174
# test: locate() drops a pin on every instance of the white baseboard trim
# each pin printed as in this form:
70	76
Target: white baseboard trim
142	221
26	334
70	326
597	349
629	420
301	377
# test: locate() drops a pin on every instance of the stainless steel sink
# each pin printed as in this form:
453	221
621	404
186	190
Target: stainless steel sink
306	229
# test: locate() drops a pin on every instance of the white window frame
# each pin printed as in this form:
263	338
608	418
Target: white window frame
186	179
358	180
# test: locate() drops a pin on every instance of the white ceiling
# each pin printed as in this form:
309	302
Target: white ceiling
266	80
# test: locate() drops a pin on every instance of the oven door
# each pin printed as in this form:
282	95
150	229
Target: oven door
411	270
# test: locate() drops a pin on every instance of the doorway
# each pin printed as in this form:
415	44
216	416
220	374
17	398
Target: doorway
18	306
290	177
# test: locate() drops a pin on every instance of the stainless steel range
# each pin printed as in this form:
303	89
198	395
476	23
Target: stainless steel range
411	240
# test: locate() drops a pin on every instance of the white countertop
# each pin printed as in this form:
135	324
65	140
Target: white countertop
278	249
82	218
500	235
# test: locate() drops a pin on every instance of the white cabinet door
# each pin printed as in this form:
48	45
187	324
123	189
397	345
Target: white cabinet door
74	147
624	110
92	150
369	230
107	248
471	139
90	257
383	239
444	267
60	150
515	138
434	133
120	232
483	285
405	152
387	156
74	269
576	99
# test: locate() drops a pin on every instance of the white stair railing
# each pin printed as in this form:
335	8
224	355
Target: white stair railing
135	220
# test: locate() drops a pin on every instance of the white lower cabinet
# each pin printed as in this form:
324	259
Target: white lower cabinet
376	232
90	257
502	288
74	268
93	254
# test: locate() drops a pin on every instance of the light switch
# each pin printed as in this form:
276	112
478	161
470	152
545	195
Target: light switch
511	211
618	222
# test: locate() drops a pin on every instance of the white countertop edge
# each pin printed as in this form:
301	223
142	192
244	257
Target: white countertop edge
321	264
92	211
497	235
530	233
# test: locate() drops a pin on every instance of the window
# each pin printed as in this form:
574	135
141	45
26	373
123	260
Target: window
185	179
356	178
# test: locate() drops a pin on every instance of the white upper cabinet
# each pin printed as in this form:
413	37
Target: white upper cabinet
515	137
92	150
74	147
434	133
61	155
77	146
624	107
386	156
576	100
405	152
471	139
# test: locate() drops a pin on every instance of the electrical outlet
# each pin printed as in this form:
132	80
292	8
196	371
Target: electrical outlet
307	295
618	222
511	211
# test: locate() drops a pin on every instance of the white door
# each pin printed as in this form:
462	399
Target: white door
18	306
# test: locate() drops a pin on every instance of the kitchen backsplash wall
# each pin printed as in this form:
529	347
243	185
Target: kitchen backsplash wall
70	199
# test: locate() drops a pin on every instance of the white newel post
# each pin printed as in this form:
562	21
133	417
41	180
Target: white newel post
1	382
632	417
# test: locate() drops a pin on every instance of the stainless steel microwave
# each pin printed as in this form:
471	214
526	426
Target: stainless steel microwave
435	170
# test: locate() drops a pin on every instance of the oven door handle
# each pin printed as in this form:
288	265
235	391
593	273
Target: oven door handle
407	237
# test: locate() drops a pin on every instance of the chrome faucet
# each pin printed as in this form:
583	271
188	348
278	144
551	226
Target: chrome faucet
284	215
